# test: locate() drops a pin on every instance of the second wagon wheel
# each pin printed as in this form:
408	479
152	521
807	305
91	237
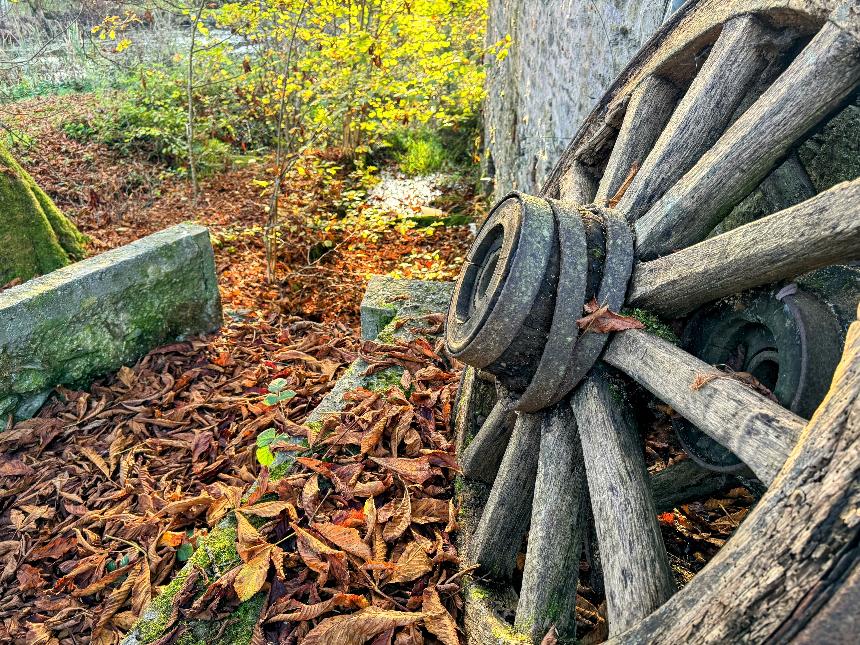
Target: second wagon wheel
712	109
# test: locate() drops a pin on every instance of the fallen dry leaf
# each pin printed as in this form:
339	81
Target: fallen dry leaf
357	628
600	320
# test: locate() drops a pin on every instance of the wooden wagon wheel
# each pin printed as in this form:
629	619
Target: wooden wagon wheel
701	117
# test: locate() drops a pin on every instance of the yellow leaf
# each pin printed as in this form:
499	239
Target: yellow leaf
252	575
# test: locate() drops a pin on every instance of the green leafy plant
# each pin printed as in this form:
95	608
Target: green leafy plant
278	392
265	456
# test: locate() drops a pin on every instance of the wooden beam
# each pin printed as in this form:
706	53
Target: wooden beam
684	481
762	433
822	75
506	515
649	109
577	185
795	552
820	231
481	458
548	590
637	577
735	62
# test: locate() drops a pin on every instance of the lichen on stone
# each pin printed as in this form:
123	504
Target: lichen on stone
384	380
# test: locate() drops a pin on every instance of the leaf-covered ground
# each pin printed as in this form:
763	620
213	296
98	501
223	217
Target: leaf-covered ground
107	493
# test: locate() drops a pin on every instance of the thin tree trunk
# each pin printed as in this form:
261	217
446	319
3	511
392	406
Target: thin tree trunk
189	125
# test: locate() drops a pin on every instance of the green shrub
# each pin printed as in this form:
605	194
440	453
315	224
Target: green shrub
425	151
150	119
79	130
422	154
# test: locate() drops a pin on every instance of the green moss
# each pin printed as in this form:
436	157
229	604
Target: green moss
386	335
35	237
215	555
244	620
459	484
653	324
617	393
384	380
280	471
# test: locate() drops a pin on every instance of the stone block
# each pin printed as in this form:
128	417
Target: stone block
386	298
92	317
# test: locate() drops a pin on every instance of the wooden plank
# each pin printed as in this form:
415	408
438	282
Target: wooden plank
506	515
759	431
637	577
684	481
820	231
577	185
736	60
649	110
822	75
548	590
481	458
796	551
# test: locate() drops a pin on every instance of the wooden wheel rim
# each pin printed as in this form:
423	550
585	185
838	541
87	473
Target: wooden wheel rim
823	457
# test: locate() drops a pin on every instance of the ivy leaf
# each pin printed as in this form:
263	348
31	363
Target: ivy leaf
265	456
266	437
277	385
274	399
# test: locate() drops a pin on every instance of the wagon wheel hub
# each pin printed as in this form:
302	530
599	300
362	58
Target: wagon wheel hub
533	266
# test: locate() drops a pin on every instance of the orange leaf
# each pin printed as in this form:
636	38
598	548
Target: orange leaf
346	538
172	539
602	321
357	628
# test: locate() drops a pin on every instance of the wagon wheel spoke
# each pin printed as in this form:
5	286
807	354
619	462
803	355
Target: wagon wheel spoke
649	109
736	61
506	515
819	78
759	431
548	591
637	577
821	231
481	459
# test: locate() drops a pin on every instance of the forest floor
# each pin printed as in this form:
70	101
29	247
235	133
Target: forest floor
106	493
88	486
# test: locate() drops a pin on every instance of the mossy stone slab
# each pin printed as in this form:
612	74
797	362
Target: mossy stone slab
90	318
386	298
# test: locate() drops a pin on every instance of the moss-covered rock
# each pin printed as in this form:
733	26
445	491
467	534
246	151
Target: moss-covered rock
90	318
832	155
215	555
35	237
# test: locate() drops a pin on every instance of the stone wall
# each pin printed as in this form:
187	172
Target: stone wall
563	55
